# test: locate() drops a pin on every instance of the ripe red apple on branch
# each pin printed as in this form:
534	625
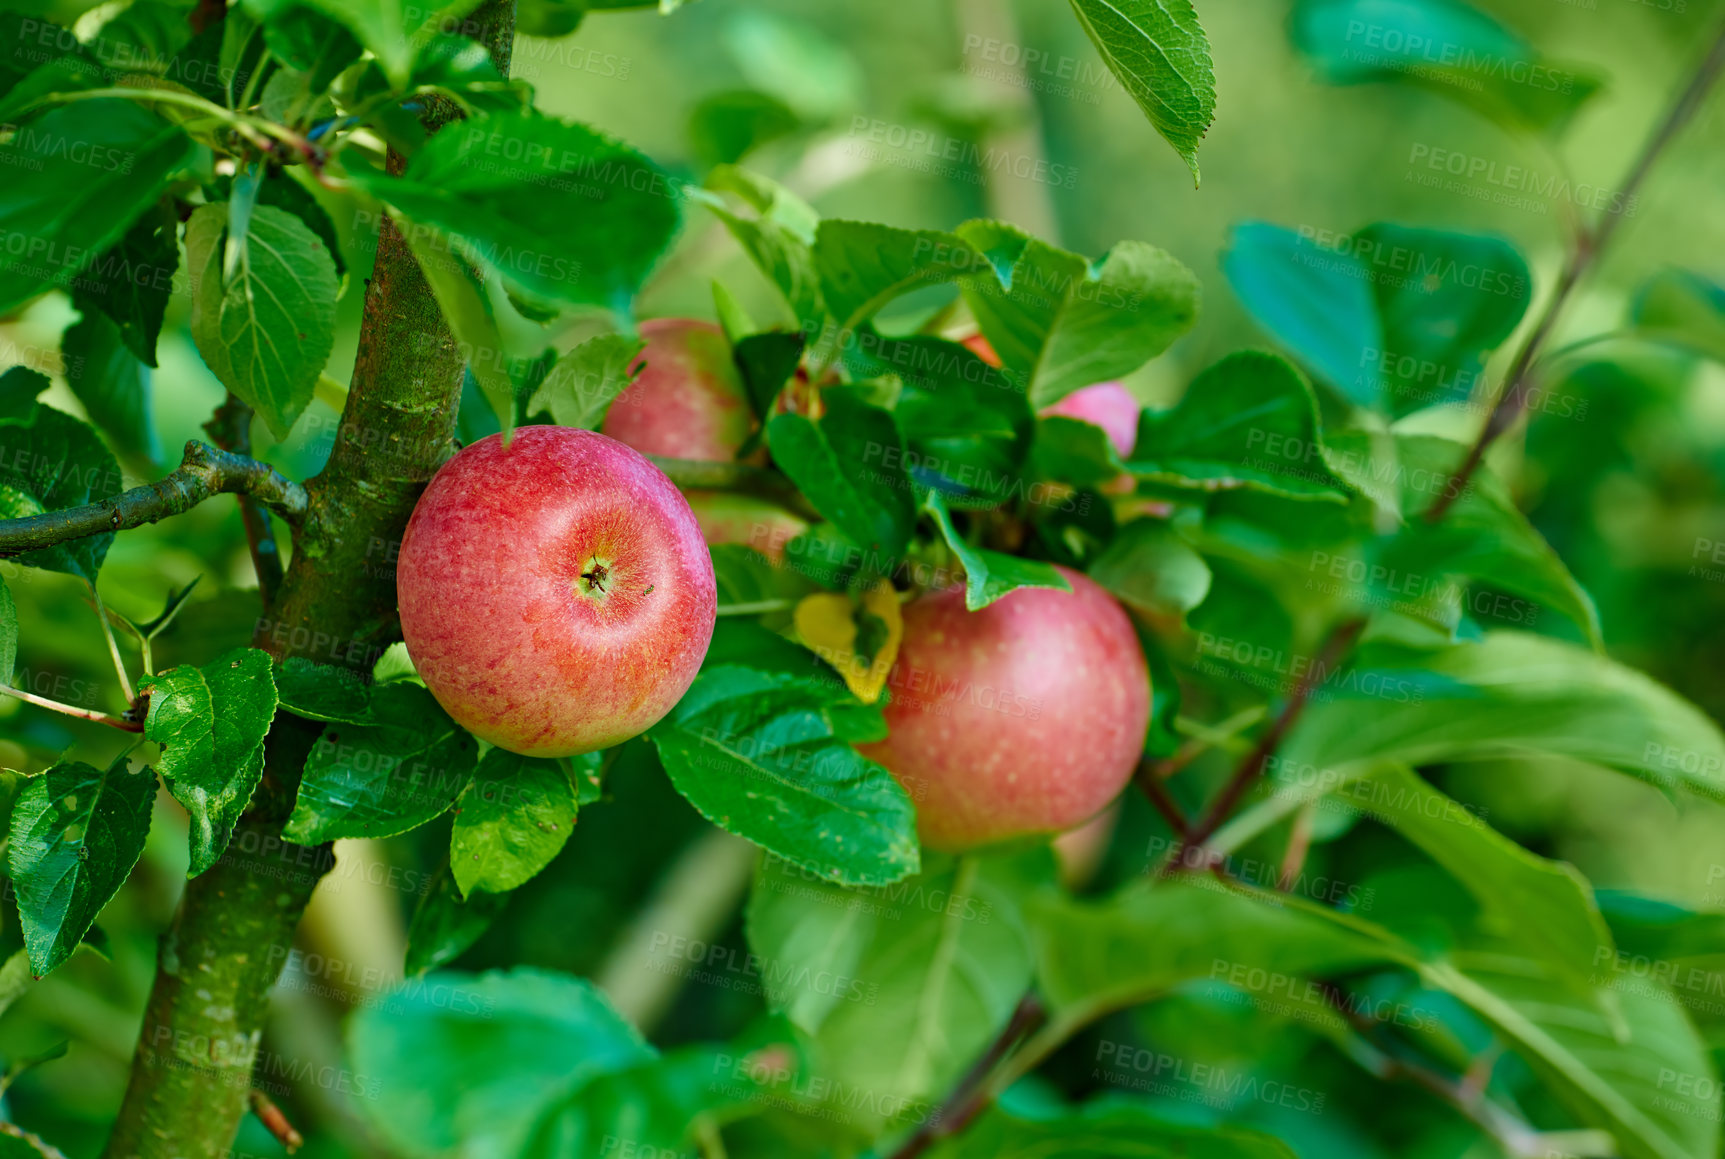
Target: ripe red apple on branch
555	593
1025	717
689	403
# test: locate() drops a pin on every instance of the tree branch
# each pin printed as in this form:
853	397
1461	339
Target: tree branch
235	924
970	1095
230	428
204	472
1335	649
1589	245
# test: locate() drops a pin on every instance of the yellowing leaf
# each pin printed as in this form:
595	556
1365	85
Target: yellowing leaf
861	642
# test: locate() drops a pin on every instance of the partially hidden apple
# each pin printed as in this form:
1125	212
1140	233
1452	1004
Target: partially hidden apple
1025	717
1108	405
689	403
555	594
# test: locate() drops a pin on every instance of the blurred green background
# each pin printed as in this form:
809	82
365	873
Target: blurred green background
1629	494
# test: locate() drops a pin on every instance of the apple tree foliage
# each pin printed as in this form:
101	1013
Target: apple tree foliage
1310	572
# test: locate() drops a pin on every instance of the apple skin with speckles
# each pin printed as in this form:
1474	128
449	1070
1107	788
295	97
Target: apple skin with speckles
688	401
555	594
1025	717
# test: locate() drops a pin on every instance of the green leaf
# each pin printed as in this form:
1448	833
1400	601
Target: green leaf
988	575
1484	536
75	834
267	334
779	238
862	265
510	821
1316	300
585	381
95	167
766	362
966	424
323	692
1158	52
485	188
282	190
1061	323
311	42
132	280
851	466
395	32
1513	695
1248	422
1545	909
1107	1127
756	753
1146	939
1151	567
1655	1090
404	767
726	127
112	384
1460	298
1443	45
211	723
50	461
656	1105
445	926
19	388
8	634
464	1064
902	987
1684	308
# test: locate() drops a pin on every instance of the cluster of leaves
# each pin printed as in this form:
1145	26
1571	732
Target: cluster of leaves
1248	522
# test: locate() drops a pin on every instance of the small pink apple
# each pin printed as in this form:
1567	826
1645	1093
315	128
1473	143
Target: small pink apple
689	401
555	594
1107	405
1026	717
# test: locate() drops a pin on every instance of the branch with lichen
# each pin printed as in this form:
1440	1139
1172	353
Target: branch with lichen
203	473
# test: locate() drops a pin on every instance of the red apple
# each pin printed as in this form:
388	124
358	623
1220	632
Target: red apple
1107	405
555	593
1025	717
689	402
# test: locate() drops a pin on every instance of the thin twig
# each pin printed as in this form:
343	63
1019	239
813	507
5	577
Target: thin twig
1299	845
1465	1094
275	1122
203	472
1149	780
230	429
73	710
969	1096
1335	649
113	645
1588	246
